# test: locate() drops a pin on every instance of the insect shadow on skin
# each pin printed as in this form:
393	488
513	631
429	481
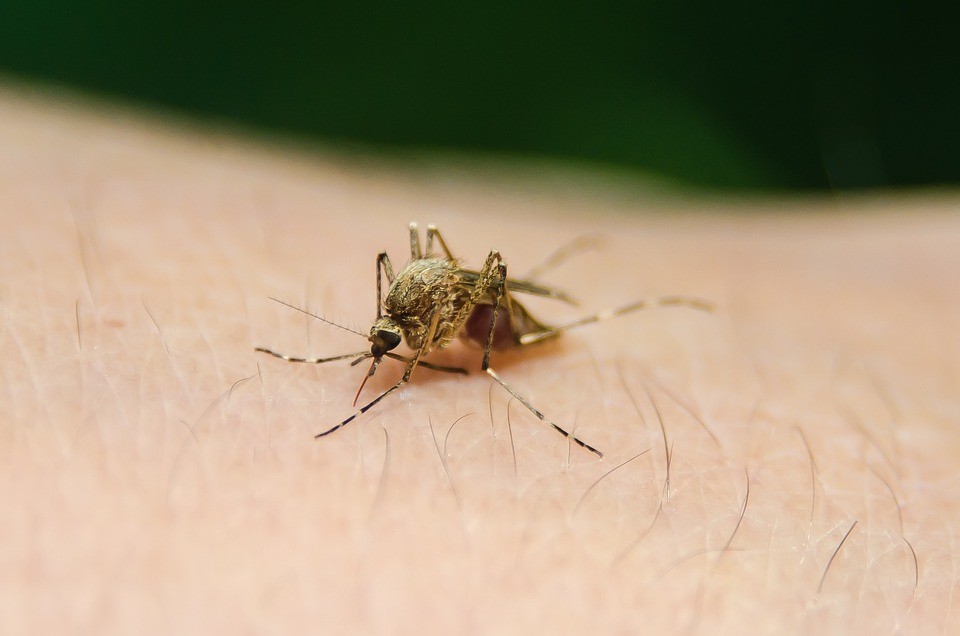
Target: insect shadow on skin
434	299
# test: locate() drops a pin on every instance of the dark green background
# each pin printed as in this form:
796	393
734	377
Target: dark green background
804	95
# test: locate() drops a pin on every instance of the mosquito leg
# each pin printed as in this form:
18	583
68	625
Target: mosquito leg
541	416
564	253
500	294
484	282
498	297
367	406
383	268
433	232
428	365
406	378
664	301
425	347
415	252
310	360
422	363
490	278
383	263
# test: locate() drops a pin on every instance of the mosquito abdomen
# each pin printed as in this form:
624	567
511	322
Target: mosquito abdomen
477	328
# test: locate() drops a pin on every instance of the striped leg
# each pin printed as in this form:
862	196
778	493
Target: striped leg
360	357
434	233
499	296
664	301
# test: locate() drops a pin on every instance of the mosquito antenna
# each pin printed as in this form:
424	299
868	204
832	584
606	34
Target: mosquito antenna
320	318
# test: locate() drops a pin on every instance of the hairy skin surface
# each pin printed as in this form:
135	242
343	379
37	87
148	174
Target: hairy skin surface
784	465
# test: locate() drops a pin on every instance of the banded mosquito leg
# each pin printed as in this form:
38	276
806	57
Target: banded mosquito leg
543	418
500	294
282	356
360	356
648	303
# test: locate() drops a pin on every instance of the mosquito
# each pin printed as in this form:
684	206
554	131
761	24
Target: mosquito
434	299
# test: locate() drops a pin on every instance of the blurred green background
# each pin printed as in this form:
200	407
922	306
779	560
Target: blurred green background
757	95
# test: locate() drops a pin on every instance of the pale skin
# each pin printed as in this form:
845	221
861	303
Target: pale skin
160	476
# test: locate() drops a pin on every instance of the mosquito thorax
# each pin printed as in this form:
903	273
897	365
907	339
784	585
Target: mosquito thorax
385	335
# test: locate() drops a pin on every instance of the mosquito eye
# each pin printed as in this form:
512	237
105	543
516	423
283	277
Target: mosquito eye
390	339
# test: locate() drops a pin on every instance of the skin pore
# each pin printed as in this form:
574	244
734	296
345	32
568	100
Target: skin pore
785	464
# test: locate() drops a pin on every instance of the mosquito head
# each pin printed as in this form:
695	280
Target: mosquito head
385	335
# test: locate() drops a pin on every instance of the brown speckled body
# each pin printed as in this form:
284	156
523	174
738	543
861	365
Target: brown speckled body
422	288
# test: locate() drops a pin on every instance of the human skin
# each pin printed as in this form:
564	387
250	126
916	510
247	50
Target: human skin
160	476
